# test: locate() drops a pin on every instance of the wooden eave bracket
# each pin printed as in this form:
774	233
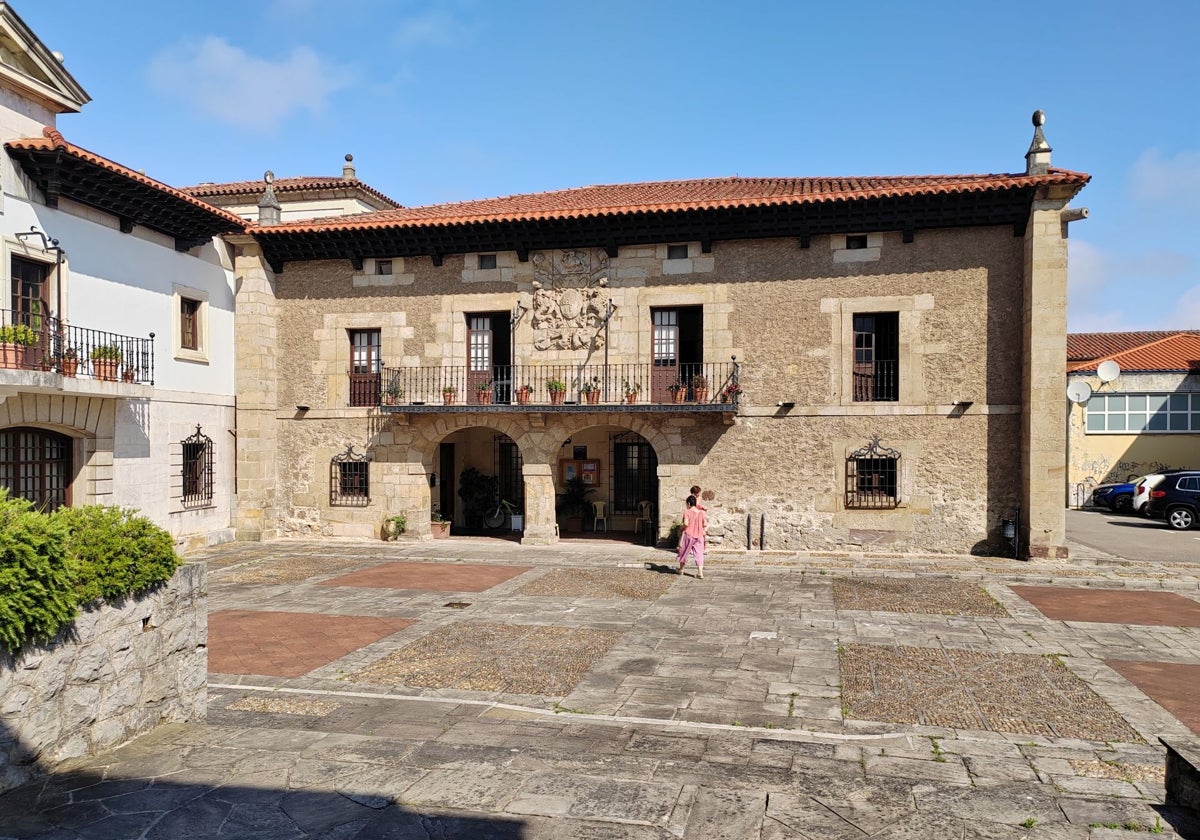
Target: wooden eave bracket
356	263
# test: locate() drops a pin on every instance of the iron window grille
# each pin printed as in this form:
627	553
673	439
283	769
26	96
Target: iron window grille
198	470
634	473
350	479
510	471
872	477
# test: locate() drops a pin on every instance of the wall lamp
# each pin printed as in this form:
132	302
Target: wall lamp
785	405
302	408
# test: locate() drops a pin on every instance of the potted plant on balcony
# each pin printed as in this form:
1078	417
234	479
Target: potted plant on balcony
439	527
15	341
449	395
631	390
678	392
700	388
68	362
557	389
393	394
730	392
523	392
483	392
106	358
591	390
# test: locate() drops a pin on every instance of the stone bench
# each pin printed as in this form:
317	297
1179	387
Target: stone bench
1183	772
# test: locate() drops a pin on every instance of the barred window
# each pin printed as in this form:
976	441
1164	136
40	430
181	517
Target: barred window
876	357
634	472
872	478
510	471
350	479
198	470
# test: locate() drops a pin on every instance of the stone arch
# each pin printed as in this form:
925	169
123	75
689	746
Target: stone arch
664	447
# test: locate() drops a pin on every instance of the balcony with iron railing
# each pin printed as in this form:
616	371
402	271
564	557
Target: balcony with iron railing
877	381
702	386
34	342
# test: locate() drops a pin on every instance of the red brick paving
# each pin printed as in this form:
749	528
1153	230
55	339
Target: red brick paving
287	644
433	577
1112	606
1172	685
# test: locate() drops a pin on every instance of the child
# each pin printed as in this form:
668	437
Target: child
692	541
695	491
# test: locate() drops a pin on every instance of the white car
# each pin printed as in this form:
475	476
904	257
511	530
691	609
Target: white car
1141	491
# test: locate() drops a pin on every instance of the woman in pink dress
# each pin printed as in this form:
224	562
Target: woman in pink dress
692	541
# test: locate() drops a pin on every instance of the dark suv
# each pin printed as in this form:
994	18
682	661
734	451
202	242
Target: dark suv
1176	499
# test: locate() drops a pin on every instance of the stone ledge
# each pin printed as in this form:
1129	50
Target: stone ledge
1183	772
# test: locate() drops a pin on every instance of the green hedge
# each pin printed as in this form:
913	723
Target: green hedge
53	564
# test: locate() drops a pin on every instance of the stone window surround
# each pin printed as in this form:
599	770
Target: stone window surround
370	276
912	350
30	249
181	353
333	349
844	254
899	518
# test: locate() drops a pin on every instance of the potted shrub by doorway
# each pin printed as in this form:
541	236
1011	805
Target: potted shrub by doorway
394	526
440	528
574	505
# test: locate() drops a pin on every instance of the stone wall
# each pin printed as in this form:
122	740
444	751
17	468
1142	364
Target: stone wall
118	672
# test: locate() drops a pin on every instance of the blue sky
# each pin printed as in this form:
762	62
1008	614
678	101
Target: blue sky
445	101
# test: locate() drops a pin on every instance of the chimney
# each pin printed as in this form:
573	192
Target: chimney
268	205
348	168
1037	159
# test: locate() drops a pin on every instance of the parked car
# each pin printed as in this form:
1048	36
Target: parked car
1176	499
1142	488
1116	497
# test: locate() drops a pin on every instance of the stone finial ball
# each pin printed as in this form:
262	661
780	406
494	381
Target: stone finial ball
1039	117
268	176
349	158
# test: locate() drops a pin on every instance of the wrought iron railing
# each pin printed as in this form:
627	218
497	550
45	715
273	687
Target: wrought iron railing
30	341
706	383
876	381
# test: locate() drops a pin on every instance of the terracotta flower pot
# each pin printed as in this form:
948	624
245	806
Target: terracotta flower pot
449	399
440	530
679	395
701	394
485	397
522	396
556	397
105	369
593	397
631	398
68	367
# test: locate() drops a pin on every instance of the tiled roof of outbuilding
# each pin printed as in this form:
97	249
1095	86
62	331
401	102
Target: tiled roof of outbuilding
1082	347
286	185
665	196
1174	353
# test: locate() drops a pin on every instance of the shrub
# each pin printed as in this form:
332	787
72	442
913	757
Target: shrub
107	352
36	599
675	534
18	334
112	553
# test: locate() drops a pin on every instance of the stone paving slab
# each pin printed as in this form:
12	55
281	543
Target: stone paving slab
287	644
1112	606
435	577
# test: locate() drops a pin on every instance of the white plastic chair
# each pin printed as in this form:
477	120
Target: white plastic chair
645	514
600	514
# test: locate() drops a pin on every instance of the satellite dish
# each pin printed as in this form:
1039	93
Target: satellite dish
1079	391
1108	371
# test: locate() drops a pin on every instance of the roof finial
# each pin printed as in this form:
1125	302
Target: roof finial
268	205
1037	159
348	168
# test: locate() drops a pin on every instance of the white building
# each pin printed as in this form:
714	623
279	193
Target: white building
101	264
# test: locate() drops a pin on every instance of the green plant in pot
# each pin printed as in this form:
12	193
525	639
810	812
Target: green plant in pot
106	358
18	334
394	526
573	503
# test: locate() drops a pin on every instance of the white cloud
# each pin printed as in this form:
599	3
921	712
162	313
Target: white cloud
1173	181
435	27
1185	314
227	83
1107	291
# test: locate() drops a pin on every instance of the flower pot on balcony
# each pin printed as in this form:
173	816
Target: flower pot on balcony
679	395
449	397
701	394
592	397
485	397
523	396
630	399
12	355
68	366
127	375
105	369
556	397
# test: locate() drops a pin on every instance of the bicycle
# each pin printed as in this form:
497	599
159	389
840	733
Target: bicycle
503	511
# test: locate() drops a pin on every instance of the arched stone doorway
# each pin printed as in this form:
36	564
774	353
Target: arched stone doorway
609	474
37	465
473	470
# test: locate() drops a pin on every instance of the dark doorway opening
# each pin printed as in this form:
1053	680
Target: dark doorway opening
489	356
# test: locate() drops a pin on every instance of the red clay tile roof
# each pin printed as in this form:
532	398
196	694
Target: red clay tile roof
1177	352
284	185
708	194
1082	347
51	139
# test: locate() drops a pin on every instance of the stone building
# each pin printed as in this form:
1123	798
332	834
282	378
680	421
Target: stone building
840	363
116	319
1146	419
